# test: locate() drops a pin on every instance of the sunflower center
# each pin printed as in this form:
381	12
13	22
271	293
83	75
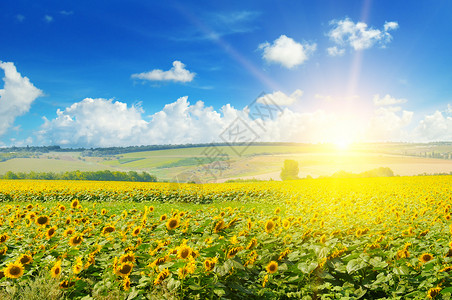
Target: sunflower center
15	270
125	269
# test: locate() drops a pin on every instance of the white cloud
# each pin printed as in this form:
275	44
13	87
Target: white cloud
48	18
177	73
16	96
358	36
389	124
387	100
435	127
335	51
286	52
279	98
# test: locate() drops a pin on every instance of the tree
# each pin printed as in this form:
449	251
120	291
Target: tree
290	170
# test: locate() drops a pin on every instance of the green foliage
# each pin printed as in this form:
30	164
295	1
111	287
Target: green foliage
79	175
290	170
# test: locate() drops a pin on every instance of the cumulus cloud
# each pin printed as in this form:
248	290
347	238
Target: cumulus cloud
335	51
390	124
357	35
279	98
387	100
436	127
177	73
287	52
16	96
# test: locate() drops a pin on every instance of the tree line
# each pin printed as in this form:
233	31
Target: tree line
105	175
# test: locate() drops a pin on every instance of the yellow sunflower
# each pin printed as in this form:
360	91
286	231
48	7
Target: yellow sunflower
163	217
76	240
433	292
161	276
136	231
75	203
233	252
124	269
108	229
14	270
56	269
103	211
172	223
25	259
426	257
272	267
69	232
129	257
42	220
51	232
3	238
269	226
126	283
184	252
65	284
3	250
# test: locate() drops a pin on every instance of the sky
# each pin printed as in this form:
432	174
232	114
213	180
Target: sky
121	73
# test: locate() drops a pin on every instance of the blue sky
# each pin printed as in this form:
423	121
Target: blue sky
118	73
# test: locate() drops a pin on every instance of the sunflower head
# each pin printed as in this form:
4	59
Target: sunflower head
233	252
65	284
272	267
163	217
56	269
42	220
14	270
50	232
126	283
426	257
124	269
269	226
61	207
108	229
76	240
128	257
3	238
75	203
172	223
25	259
184	252
433	292
136	231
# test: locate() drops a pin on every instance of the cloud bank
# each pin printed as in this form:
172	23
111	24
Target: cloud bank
16	97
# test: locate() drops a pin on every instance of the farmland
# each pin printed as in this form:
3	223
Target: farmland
369	238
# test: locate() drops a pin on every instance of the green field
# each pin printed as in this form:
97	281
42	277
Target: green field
260	162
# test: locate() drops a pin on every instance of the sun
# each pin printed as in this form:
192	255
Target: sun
342	144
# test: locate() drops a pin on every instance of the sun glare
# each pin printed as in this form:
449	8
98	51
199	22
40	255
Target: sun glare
342	144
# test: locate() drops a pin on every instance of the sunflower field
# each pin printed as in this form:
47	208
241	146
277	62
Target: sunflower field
370	238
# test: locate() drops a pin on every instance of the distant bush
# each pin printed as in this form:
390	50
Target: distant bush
78	175
290	170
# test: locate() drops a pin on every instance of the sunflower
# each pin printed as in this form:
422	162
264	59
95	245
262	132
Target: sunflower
126	283
51	232
90	261
163	217
284	254
161	276
56	269
265	280
25	259
233	252
252	244
426	257
209	263
68	231
3	238
65	284
286	224
433	292
78	267
103	211
29	206
172	223
14	270
219	226
269	226
136	231
42	220
76	240
67	221
129	257
108	229
184	252
75	203
272	267
124	269
61	207
3	250
151	208
277	210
